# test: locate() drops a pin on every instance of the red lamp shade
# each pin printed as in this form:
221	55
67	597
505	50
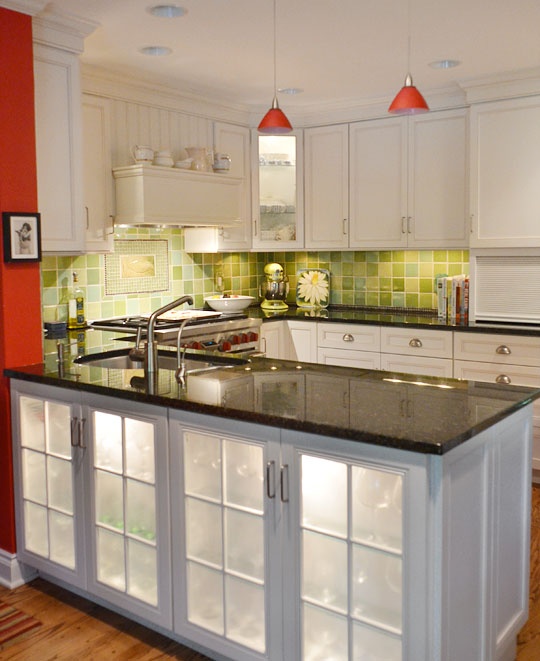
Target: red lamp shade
275	121
408	100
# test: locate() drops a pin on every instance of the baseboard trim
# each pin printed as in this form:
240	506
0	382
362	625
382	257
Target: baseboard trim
14	573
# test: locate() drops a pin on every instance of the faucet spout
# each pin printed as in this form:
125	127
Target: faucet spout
151	362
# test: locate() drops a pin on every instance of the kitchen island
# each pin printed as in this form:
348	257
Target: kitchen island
282	510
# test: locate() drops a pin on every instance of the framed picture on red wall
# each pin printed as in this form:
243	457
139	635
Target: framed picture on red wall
22	236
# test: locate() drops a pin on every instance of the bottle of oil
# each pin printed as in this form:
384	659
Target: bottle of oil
76	314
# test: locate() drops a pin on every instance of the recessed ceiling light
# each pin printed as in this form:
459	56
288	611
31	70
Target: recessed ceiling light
290	90
167	11
444	64
155	50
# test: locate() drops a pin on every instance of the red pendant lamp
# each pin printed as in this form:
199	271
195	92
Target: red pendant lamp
275	121
408	101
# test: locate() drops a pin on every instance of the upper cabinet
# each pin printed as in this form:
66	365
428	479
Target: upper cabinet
505	174
278	192
59	148
326	161
58	116
97	174
408	182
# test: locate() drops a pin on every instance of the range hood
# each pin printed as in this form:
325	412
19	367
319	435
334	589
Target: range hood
151	195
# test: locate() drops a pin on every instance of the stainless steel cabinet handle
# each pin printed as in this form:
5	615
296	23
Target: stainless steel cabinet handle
87	218
285	483
255	227
271	479
403	224
81	425
415	342
503	378
345	226
74	428
503	349
348	337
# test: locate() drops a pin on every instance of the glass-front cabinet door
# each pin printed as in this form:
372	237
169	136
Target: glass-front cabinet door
278	192
224	545
129	510
48	481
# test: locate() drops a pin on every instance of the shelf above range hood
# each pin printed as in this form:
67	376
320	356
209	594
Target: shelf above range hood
153	195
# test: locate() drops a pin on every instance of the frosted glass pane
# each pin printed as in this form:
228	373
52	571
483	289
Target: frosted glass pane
324	495
34	476
245	613
205	597
36	529
376	506
325	570
142	572
324	635
141	510
108	441
202	465
140	450
204	532
60	484
244	544
32	423
110	559
369	643
109	500
62	539
376	586
59	429
243	475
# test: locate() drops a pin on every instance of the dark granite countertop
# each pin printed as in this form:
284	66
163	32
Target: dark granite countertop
412	413
393	317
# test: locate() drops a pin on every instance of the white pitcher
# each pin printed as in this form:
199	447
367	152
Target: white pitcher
142	154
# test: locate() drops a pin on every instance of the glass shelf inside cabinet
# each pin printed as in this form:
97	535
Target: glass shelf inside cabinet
278	198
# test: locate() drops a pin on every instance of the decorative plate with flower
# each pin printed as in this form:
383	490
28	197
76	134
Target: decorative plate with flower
313	288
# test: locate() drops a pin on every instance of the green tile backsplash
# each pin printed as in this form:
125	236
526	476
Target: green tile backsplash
401	278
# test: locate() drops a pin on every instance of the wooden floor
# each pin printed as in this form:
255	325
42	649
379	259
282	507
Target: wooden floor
74	628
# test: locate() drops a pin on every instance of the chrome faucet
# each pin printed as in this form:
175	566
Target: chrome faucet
151	356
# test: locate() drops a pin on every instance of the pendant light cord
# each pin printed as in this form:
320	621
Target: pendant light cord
275	52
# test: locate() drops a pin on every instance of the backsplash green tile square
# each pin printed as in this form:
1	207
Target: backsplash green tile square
376	278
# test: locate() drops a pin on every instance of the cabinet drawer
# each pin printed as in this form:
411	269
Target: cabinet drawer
368	360
353	337
502	349
516	375
428	366
416	342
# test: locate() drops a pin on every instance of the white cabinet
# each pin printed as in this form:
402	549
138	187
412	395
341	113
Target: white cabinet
505	177
92	496
59	153
273	339
326	168
97	174
503	359
148	194
278	191
226	537
408	182
417	351
349	345
302	337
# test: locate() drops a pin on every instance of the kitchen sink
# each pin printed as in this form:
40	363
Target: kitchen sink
119	359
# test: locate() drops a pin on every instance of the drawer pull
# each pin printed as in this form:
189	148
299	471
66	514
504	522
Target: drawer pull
503	378
503	350
271	479
348	337
415	342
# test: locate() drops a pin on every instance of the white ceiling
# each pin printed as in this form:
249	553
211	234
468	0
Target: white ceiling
337	51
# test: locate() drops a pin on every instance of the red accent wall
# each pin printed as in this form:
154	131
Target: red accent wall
20	297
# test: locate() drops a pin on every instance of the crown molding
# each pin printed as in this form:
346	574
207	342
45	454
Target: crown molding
507	85
114	85
63	30
30	7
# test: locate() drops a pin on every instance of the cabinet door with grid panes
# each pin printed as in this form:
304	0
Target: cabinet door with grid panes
48	451
226	536
128	507
347	588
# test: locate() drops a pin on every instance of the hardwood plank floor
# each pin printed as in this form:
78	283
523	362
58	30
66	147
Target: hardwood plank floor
75	628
